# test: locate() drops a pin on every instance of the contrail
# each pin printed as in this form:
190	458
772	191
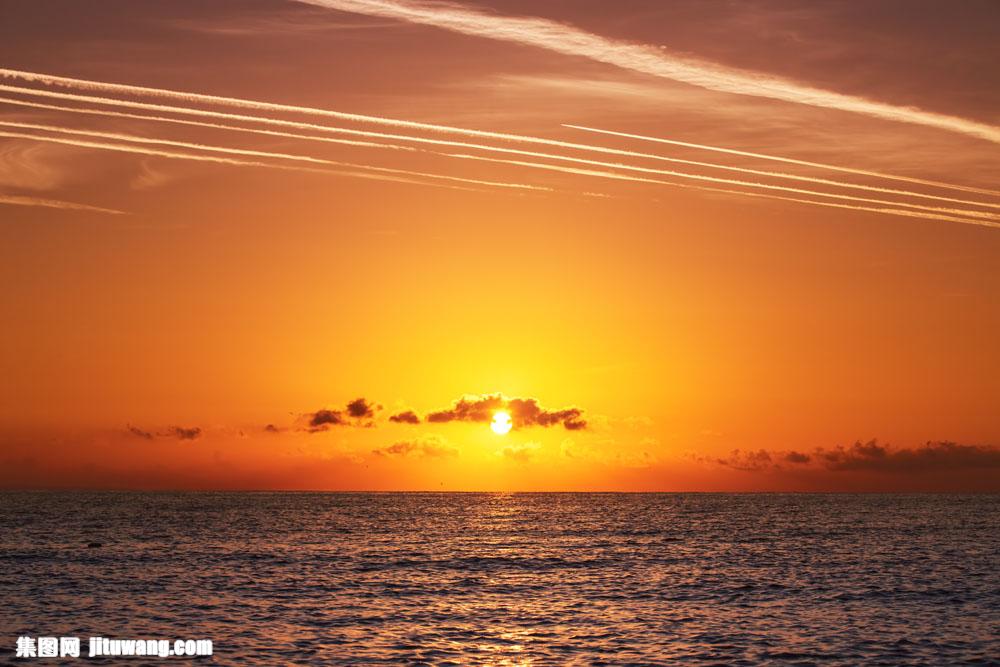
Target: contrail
232	161
124	148
641	179
17	200
195	123
787	160
587	172
753	184
645	59
166	142
597	163
120	88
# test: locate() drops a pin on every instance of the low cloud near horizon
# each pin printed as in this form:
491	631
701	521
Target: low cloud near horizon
179	432
868	456
431	446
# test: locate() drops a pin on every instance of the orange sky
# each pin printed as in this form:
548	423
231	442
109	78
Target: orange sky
162	275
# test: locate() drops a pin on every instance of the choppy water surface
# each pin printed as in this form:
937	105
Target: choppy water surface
535	579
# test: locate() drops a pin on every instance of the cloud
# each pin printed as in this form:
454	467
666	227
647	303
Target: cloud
321	419
431	446
608	452
747	461
797	457
406	417
138	432
520	453
359	412
868	456
34	166
359	408
931	456
149	177
524	412
20	200
179	432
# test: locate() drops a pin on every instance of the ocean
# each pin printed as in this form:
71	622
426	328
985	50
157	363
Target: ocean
519	579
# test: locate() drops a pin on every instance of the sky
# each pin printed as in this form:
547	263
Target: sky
697	245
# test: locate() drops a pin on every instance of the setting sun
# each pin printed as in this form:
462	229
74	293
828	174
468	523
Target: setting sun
501	423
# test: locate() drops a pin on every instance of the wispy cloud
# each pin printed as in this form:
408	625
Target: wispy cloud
521	452
431	446
32	166
645	59
20	200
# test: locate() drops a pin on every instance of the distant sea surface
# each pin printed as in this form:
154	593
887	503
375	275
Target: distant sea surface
524	579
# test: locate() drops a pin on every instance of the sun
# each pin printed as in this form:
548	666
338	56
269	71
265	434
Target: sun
501	423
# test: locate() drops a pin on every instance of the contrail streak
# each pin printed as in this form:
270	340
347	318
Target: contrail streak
234	161
788	160
17	200
640	179
166	142
94	85
645	59
753	184
662	172
195	123
124	148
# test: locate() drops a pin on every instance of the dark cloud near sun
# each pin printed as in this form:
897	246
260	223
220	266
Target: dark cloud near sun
323	418
868	456
524	412
406	417
359	412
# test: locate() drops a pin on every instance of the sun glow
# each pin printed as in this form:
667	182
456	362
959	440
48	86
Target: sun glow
501	423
